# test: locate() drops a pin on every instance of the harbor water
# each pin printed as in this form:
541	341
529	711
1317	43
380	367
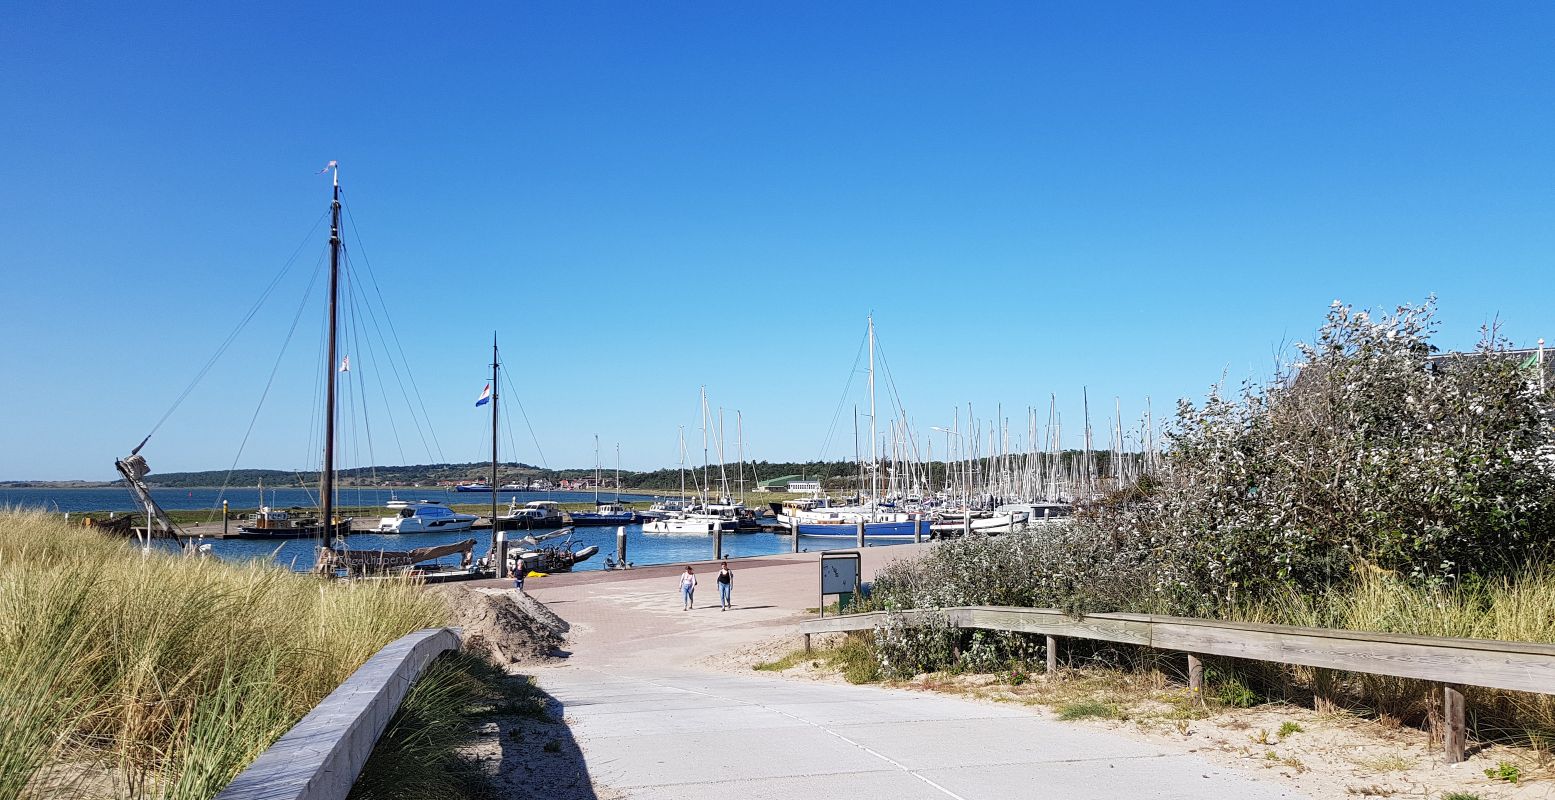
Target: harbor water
643	549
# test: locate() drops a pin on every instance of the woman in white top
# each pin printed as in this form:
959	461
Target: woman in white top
688	587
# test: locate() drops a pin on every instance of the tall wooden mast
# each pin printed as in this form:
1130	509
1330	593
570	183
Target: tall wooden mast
327	475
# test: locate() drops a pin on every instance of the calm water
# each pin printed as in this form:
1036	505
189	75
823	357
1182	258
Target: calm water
641	548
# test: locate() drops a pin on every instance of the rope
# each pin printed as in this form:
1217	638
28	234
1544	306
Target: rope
373	278
242	323
275	368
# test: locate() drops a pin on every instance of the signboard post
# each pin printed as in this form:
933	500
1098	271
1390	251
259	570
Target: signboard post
839	576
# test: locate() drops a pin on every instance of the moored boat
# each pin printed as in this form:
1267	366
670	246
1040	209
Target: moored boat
426	517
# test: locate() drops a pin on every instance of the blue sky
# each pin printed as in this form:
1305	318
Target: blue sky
645	198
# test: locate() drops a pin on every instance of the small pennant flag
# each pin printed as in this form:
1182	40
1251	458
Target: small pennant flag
1530	362
345	364
485	396
327	167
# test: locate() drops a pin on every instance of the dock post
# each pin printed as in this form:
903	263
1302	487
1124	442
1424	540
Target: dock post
621	546
1453	729
1012	523
1052	655
1196	679
861	533
500	556
718	540
793	532
966	523
224	517
917	529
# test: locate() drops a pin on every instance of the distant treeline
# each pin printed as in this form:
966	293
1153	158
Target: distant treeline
834	475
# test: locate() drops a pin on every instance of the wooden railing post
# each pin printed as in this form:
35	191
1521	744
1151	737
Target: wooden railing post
1196	679
1454	731
1052	655
807	643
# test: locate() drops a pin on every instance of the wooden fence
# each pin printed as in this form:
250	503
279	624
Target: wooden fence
1454	663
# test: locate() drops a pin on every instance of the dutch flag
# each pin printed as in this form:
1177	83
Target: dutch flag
485	396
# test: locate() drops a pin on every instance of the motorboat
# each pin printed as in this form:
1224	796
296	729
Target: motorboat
426	518
686	525
604	514
534	515
270	523
478	486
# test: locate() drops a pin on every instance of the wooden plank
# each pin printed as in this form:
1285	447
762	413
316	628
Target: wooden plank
1315	647
1054	623
1491	645
846	622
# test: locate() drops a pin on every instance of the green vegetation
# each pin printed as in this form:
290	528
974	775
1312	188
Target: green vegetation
1504	771
163	676
418	754
1087	709
782	663
1288	729
1378	486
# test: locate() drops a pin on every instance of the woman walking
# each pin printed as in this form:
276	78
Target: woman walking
688	588
725	583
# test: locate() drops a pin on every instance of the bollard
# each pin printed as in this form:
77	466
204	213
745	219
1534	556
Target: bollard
501	554
966	523
861	533
793	531
1012	523
224	517
917	529
718	540
621	546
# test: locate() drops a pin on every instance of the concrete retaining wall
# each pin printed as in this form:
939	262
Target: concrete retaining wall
320	757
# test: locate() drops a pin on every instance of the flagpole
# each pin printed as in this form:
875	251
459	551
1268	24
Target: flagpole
501	566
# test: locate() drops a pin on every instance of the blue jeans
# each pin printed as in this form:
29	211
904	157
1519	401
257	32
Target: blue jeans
723	594
685	594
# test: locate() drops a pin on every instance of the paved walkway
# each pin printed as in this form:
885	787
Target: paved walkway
653	725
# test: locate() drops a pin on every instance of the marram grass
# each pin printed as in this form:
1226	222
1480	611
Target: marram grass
125	675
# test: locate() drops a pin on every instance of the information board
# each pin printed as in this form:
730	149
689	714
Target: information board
839	574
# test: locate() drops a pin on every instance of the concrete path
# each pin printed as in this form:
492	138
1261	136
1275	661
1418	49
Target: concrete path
653	725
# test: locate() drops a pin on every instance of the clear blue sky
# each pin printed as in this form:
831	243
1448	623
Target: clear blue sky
648	197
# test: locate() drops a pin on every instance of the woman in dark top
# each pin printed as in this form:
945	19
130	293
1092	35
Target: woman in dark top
725	583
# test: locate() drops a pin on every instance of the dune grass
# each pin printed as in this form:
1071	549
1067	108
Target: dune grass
1517	608
127	675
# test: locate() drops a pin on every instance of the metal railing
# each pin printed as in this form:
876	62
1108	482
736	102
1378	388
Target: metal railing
1454	663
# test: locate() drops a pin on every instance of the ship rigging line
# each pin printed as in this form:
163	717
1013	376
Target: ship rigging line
843	400
415	387
527	424
231	337
275	368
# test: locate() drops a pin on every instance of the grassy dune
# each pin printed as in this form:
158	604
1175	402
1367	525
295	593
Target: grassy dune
128	675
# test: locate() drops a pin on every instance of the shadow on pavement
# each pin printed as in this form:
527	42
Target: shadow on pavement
537	757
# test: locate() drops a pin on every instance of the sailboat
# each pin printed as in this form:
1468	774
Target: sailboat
842	521
604	514
530	552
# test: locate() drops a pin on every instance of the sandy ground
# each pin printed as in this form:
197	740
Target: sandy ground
631	624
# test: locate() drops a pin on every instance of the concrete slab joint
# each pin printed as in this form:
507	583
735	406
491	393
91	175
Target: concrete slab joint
321	756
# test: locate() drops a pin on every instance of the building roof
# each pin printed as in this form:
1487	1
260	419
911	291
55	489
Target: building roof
783	481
